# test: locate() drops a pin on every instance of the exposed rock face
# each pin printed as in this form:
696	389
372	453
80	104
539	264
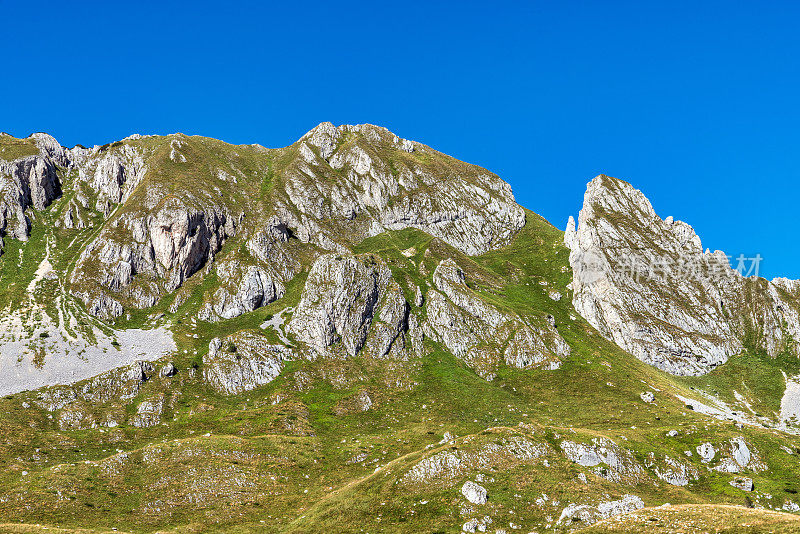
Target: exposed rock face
474	493
646	284
353	182
608	459
363	401
76	416
352	303
247	286
242	362
167	247
51	149
444	466
33	181
475	330
478	525
148	413
123	384
589	514
742	483
672	471
737	456
115	173
250	287
73	217
26	182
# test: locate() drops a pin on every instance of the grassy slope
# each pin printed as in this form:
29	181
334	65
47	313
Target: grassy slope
595	393
698	519
12	148
304	436
253	439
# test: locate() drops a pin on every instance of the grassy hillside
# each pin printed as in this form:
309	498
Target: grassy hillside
305	453
298	455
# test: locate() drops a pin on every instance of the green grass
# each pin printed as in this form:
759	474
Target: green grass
12	148
297	455
755	376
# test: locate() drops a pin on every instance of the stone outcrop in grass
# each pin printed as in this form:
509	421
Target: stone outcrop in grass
29	182
350	303
242	362
607	459
474	493
589	514
481	333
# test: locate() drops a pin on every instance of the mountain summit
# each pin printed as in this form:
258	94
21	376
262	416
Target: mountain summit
646	283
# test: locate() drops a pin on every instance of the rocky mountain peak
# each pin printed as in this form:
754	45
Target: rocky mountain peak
347	183
645	283
167	204
326	137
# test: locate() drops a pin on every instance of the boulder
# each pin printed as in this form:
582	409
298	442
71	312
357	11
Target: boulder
706	451
742	483
474	493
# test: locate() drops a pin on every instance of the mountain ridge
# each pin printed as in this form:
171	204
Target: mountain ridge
631	262
357	332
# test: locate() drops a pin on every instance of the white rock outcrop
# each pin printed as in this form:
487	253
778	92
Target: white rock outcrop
30	182
447	465
739	456
706	451
589	514
672	471
351	302
646	284
742	483
606	458
243	362
483	335
474	493
166	246
120	384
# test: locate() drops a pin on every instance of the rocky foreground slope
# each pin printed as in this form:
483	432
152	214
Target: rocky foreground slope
359	333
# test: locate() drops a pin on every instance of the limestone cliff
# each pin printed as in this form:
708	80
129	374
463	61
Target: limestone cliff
646	283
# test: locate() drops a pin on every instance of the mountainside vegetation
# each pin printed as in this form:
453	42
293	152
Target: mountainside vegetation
357	333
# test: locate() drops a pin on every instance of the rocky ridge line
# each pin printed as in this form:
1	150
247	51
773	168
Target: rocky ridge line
628	283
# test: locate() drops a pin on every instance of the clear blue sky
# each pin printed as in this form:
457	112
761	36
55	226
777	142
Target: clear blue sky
695	103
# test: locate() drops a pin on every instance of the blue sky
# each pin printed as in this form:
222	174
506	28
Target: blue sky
694	103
